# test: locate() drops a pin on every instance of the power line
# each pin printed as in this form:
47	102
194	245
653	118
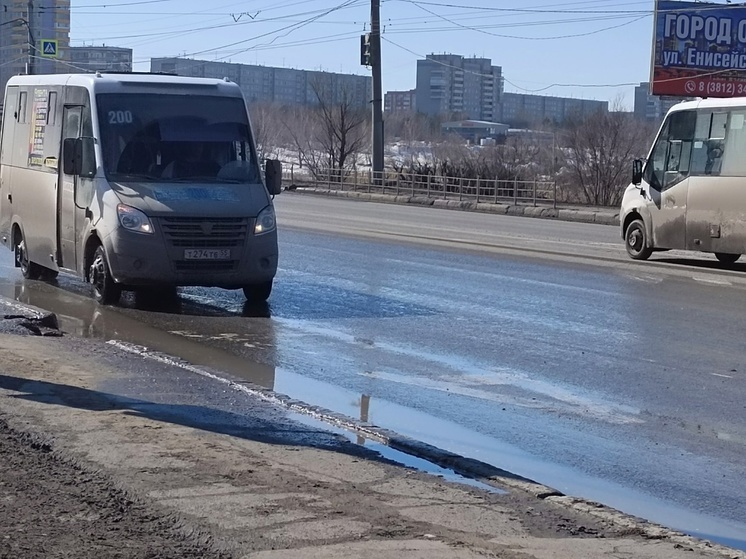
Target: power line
317	14
483	31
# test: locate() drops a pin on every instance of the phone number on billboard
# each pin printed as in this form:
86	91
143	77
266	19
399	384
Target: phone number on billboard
732	89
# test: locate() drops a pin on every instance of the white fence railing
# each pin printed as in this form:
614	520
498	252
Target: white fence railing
535	192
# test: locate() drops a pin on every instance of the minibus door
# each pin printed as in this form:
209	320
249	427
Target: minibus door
71	127
717	196
667	176
6	148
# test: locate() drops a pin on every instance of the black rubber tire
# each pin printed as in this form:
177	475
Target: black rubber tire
30	270
48	275
258	292
105	289
727	257
636	241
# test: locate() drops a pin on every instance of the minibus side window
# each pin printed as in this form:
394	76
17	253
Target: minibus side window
22	107
671	156
734	162
709	143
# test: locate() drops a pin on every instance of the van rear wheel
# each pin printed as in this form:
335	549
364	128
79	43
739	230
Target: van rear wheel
636	241
727	258
30	270
258	292
105	289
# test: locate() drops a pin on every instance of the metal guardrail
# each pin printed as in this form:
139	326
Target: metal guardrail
436	187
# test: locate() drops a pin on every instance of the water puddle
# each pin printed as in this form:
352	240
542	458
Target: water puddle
419	464
80	315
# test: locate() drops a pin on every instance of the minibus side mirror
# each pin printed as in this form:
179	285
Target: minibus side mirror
79	157
273	176
637	172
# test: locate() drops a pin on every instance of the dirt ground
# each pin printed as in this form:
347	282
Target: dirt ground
106	455
50	508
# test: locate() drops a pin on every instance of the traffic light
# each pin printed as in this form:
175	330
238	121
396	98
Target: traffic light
365	58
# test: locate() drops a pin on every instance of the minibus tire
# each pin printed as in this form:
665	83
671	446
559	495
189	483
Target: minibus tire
47	274
636	241
727	257
258	292
29	270
105	289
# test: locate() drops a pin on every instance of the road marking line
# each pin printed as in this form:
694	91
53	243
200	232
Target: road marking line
712	281
718	375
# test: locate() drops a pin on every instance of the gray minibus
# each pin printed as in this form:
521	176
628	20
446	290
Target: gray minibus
136	182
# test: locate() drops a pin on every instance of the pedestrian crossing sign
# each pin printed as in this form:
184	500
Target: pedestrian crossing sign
49	48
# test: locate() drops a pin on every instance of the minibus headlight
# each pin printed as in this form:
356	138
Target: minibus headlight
265	221
133	219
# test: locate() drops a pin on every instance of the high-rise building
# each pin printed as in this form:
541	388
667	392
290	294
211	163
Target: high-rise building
400	101
274	85
652	107
24	26
521	110
450	83
104	59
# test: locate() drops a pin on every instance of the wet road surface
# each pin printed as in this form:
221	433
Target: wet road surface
535	346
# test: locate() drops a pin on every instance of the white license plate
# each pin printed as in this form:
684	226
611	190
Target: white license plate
207	254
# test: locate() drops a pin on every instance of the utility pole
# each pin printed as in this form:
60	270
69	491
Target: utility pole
375	60
29	24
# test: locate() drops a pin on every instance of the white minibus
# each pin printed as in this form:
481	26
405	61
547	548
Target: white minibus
690	194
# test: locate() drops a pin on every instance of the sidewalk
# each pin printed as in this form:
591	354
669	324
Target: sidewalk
138	469
581	214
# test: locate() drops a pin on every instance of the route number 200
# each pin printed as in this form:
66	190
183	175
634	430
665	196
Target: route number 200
120	117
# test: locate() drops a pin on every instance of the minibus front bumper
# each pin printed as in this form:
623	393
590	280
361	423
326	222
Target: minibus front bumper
193	254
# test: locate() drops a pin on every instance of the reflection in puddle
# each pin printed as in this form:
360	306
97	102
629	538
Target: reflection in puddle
419	464
83	317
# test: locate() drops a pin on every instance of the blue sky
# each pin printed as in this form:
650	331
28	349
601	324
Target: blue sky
595	49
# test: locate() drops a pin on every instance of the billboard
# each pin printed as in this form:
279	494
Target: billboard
699	49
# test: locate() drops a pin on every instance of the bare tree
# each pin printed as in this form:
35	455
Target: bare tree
265	118
299	126
598	154
341	132
327	138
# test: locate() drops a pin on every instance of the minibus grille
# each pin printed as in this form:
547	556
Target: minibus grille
206	266
203	232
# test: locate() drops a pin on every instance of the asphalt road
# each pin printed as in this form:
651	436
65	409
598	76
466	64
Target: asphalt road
536	346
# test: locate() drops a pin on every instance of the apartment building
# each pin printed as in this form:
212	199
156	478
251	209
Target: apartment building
400	101
520	110
285	86
652	107
104	59
450	83
24	25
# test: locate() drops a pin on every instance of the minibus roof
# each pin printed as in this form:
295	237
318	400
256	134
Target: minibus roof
710	103
104	82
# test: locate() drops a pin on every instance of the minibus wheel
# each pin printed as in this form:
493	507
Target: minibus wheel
48	275
105	289
727	258
30	270
258	292
636	241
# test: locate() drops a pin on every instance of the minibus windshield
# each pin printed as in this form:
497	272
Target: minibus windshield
176	138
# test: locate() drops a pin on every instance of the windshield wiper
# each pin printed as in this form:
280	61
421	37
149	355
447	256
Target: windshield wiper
134	175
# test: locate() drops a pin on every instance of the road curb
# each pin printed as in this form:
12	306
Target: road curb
600	216
461	465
